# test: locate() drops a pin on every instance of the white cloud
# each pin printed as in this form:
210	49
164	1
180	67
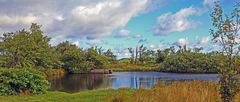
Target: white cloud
10	21
153	5
178	22
155	47
121	52
59	18
96	42
203	41
123	33
209	2
102	18
70	18
138	36
182	42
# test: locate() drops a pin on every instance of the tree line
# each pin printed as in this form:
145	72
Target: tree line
32	49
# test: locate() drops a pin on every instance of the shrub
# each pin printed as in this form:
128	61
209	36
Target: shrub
189	62
22	81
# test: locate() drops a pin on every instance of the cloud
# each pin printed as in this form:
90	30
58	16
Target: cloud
9	21
138	36
123	33
177	22
70	18
209	2
203	41
182	42
102	18
153	5
95	42
155	47
121	52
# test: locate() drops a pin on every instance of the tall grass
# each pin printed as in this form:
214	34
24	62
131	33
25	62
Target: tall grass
193	91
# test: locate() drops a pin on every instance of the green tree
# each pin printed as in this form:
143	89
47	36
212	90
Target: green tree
73	58
94	57
225	32
27	48
110	56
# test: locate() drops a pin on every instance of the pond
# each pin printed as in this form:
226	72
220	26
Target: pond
79	82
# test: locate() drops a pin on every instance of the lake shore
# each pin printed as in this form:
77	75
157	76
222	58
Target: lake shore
200	91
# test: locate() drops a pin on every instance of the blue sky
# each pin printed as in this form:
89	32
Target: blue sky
116	24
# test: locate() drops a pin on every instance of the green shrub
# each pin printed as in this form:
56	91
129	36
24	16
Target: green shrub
22	81
190	62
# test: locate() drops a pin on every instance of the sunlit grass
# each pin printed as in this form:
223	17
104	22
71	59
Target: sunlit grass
193	91
132	67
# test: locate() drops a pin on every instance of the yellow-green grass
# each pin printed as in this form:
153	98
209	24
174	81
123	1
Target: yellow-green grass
84	96
194	91
132	67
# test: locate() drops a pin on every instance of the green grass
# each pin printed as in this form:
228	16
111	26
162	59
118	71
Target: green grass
132	67
84	96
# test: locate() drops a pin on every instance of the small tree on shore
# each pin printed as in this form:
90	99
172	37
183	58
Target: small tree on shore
225	32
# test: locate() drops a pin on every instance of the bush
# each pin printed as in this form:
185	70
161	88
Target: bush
189	62
22	81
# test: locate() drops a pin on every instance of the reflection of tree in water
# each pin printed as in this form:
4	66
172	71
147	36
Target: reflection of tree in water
142	82
79	82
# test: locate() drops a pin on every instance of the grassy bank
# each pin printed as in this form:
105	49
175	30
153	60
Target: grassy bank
193	91
85	96
132	67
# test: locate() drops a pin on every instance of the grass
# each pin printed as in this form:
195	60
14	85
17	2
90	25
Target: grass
193	91
85	96
189	91
132	67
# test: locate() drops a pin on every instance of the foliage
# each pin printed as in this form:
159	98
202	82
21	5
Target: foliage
190	62
71	56
225	32
27	49
75	60
110	56
22	81
96	59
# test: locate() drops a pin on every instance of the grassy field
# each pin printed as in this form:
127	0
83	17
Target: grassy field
193	91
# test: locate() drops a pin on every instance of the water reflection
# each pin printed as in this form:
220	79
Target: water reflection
79	82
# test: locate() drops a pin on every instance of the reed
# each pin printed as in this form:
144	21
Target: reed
193	91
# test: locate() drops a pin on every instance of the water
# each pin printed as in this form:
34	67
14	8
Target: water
80	82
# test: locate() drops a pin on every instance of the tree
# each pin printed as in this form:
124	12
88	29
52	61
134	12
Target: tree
27	48
131	51
142	49
72	57
110	56
98	60
161	55
225	32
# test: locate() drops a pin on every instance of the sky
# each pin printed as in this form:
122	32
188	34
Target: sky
116	24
